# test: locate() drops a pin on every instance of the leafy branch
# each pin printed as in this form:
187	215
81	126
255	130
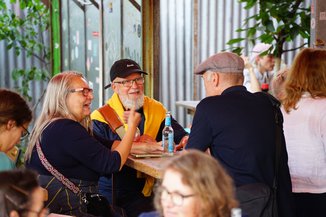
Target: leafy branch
277	22
23	32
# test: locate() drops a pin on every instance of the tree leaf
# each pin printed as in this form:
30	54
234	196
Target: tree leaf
275	22
234	41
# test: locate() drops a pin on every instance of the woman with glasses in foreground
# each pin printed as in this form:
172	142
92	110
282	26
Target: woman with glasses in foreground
21	195
63	134
194	185
15	116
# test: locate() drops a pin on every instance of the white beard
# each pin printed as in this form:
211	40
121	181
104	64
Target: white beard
128	103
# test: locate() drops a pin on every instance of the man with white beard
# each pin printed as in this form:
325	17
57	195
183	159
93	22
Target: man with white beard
132	189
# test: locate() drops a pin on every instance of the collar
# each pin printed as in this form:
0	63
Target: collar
234	89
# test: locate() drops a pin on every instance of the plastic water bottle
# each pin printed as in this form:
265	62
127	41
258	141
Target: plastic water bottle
168	136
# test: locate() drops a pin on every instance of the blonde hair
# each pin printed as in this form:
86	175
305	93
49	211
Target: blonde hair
208	180
55	107
307	74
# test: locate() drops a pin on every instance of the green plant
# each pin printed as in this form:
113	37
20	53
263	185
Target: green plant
25	33
277	22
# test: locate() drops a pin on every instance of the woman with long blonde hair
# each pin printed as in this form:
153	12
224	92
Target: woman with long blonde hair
63	134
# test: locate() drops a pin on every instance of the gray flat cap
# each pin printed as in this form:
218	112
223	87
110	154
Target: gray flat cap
221	62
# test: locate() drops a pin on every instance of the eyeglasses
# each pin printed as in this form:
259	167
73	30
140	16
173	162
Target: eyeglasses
84	90
25	133
176	197
129	83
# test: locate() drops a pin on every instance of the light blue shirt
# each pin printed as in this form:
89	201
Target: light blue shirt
5	162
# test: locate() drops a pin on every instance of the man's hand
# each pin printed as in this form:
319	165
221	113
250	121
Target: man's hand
146	146
146	143
182	143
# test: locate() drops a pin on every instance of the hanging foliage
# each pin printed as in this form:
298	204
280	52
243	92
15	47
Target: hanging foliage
24	32
277	22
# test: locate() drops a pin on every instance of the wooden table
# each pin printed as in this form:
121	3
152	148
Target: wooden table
150	166
189	105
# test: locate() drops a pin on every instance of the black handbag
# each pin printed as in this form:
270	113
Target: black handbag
96	204
257	200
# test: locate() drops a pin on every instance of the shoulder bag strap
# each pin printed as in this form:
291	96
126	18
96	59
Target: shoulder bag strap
71	186
113	120
278	146
278	134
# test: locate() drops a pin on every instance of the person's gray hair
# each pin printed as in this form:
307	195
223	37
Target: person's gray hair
55	106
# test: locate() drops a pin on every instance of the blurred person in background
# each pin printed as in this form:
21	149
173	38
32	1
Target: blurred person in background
304	111
15	116
21	195
259	69
278	83
194	185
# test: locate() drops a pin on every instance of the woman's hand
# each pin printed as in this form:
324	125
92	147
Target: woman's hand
133	118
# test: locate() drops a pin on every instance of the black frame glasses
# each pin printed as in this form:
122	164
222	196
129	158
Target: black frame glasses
129	83
175	197
25	134
84	90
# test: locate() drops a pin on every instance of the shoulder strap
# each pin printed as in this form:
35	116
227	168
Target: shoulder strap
113	120
278	133
71	186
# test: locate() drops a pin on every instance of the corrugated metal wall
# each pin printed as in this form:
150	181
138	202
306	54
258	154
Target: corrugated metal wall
217	22
9	61
176	54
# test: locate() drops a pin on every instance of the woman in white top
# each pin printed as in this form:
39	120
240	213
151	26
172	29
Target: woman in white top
304	110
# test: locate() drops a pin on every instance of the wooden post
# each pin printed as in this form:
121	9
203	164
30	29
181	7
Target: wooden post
151	46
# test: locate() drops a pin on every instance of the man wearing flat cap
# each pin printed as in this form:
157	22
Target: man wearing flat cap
132	189
238	128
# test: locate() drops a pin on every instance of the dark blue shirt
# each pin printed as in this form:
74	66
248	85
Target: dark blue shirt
238	128
74	152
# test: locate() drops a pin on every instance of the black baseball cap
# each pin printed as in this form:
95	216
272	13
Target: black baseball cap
122	68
